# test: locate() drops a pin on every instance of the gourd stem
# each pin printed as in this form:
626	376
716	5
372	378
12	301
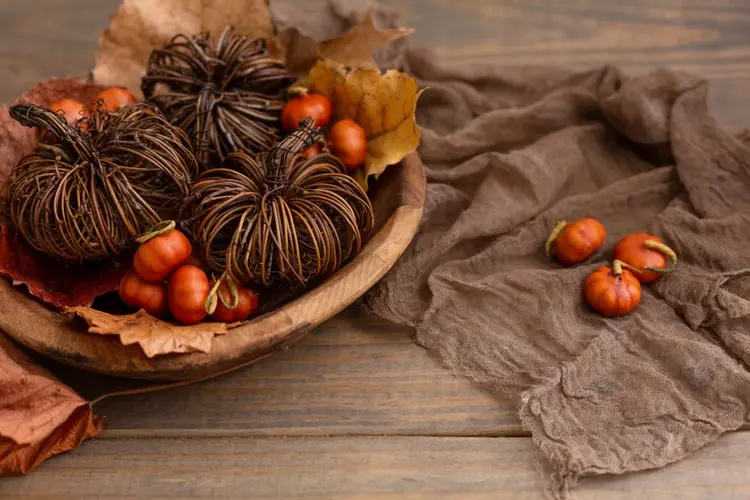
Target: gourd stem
212	300
233	291
661	247
625	265
559	226
215	295
157	230
297	90
617	267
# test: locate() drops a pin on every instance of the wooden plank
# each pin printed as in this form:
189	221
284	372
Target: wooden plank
358	468
708	40
685	35
396	387
61	42
355	374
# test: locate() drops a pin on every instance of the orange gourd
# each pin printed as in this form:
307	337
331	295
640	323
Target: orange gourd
348	141
115	98
612	291
575	242
139	294
187	293
298	108
163	250
647	254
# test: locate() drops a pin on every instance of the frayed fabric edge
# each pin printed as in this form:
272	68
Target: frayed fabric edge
560	482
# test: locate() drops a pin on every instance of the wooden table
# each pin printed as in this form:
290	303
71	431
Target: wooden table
356	409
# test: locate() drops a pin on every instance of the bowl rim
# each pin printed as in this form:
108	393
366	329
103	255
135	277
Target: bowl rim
64	339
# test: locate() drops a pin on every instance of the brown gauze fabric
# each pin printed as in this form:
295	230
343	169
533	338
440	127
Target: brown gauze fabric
508	152
511	150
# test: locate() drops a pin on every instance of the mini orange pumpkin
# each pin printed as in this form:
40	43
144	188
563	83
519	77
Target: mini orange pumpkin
163	249
613	291
646	253
575	242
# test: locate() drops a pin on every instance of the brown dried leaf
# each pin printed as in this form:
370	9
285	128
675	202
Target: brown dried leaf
139	26
383	104
153	335
39	416
16	141
353	48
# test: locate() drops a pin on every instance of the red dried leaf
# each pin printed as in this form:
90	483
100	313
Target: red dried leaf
39	416
62	285
47	279
16	141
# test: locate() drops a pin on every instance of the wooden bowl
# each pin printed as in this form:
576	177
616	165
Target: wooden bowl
398	200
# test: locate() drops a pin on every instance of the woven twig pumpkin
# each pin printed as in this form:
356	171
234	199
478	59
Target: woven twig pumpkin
279	217
225	93
101	184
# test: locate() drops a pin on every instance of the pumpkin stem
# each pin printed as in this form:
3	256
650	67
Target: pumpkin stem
297	90
661	247
162	227
212	301
617	267
234	292
72	140
559	226
625	265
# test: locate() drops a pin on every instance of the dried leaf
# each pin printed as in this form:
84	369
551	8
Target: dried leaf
39	416
139	26
16	141
153	335
383	104
299	52
353	48
58	284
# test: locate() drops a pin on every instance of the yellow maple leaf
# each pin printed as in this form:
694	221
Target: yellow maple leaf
382	103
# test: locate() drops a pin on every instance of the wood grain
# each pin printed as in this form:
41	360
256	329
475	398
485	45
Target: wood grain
354	375
359	468
708	39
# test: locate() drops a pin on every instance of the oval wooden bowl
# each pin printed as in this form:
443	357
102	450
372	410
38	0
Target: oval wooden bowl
398	200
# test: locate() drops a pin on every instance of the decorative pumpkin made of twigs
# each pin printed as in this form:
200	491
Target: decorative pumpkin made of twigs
100	184
279	217
227	94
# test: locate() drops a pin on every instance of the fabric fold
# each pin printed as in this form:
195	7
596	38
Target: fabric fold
508	152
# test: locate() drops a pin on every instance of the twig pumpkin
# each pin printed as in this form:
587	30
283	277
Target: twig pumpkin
92	192
279	217
227	93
